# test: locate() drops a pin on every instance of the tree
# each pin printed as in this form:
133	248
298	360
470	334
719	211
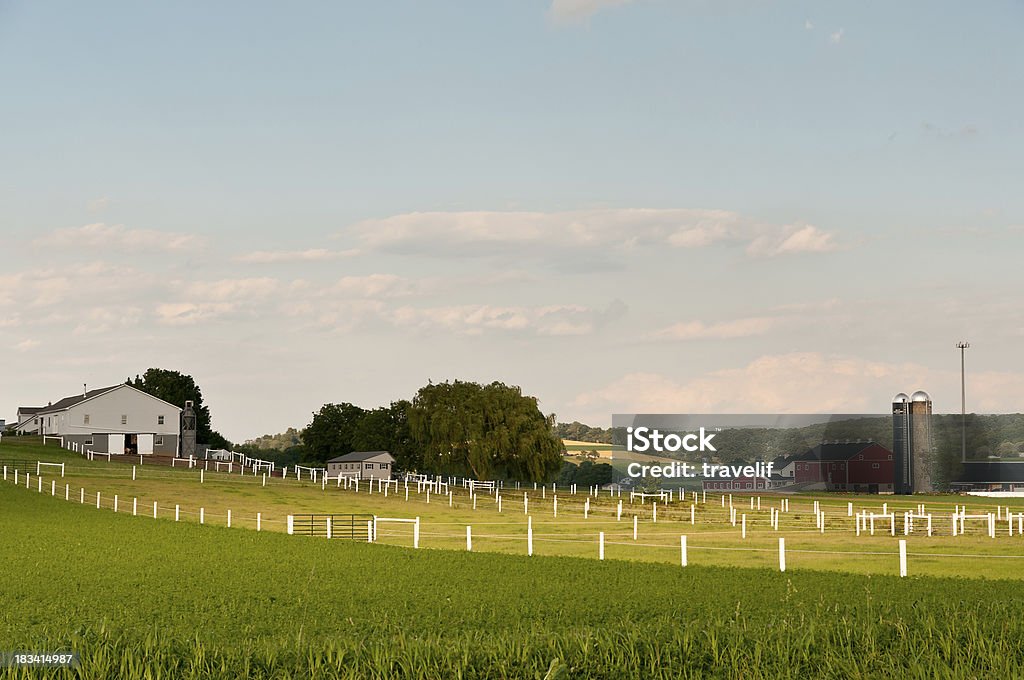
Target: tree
387	429
177	388
332	432
485	431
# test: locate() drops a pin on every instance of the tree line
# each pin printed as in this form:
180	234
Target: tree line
486	431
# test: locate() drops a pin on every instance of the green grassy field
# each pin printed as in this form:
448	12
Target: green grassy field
143	598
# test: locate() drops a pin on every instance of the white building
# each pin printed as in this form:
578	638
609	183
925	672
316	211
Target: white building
118	419
27	422
362	465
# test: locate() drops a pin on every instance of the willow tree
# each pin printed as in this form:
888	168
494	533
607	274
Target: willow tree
484	431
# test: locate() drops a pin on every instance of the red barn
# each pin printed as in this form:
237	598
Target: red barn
863	466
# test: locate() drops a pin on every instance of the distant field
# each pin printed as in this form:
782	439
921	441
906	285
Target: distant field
141	598
712	538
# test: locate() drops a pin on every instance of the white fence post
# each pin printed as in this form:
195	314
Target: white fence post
133	473
529	536
259	521
97	499
229	519
154	509
743	526
202	515
469	539
115	502
903	557
600	550
416	533
291	526
782	554
177	513
682	550
634	527
135	507
330	527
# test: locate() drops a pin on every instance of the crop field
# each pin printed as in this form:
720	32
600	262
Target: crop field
142	598
712	538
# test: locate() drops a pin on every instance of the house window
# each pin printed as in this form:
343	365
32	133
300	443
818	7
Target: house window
86	418
890	456
369	466
124	420
383	466
88	442
159	420
875	466
158	441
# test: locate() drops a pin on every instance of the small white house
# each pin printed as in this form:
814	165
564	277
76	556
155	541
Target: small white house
27	421
362	465
118	419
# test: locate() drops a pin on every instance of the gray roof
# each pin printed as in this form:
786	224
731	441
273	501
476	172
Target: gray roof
29	410
360	456
68	402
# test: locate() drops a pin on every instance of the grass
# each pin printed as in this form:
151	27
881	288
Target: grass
712	540
140	599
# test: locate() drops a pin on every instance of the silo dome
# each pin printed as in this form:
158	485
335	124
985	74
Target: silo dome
920	395
900	398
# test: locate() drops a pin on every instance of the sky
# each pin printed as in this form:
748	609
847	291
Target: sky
664	206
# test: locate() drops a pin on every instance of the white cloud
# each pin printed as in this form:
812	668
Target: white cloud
698	330
310	255
98	204
26	345
806	382
372	286
836	37
575	10
187	313
792	239
533	233
233	289
118	237
476	319
101	320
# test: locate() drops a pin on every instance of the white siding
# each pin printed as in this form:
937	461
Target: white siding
105	413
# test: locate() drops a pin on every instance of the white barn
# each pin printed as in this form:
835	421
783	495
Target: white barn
118	419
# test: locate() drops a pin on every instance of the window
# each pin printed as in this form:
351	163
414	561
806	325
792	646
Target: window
890	456
88	442
369	466
159	420
158	441
124	420
383	466
875	466
86	418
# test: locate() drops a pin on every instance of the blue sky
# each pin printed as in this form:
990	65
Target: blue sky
618	205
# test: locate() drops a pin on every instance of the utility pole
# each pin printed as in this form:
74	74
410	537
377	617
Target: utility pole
962	346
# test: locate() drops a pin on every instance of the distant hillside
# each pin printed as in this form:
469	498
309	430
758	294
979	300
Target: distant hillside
280	442
579	432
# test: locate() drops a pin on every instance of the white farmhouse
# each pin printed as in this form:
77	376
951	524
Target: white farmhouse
362	465
27	421
118	419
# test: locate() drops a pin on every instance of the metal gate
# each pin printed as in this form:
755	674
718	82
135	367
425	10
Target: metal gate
355	527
